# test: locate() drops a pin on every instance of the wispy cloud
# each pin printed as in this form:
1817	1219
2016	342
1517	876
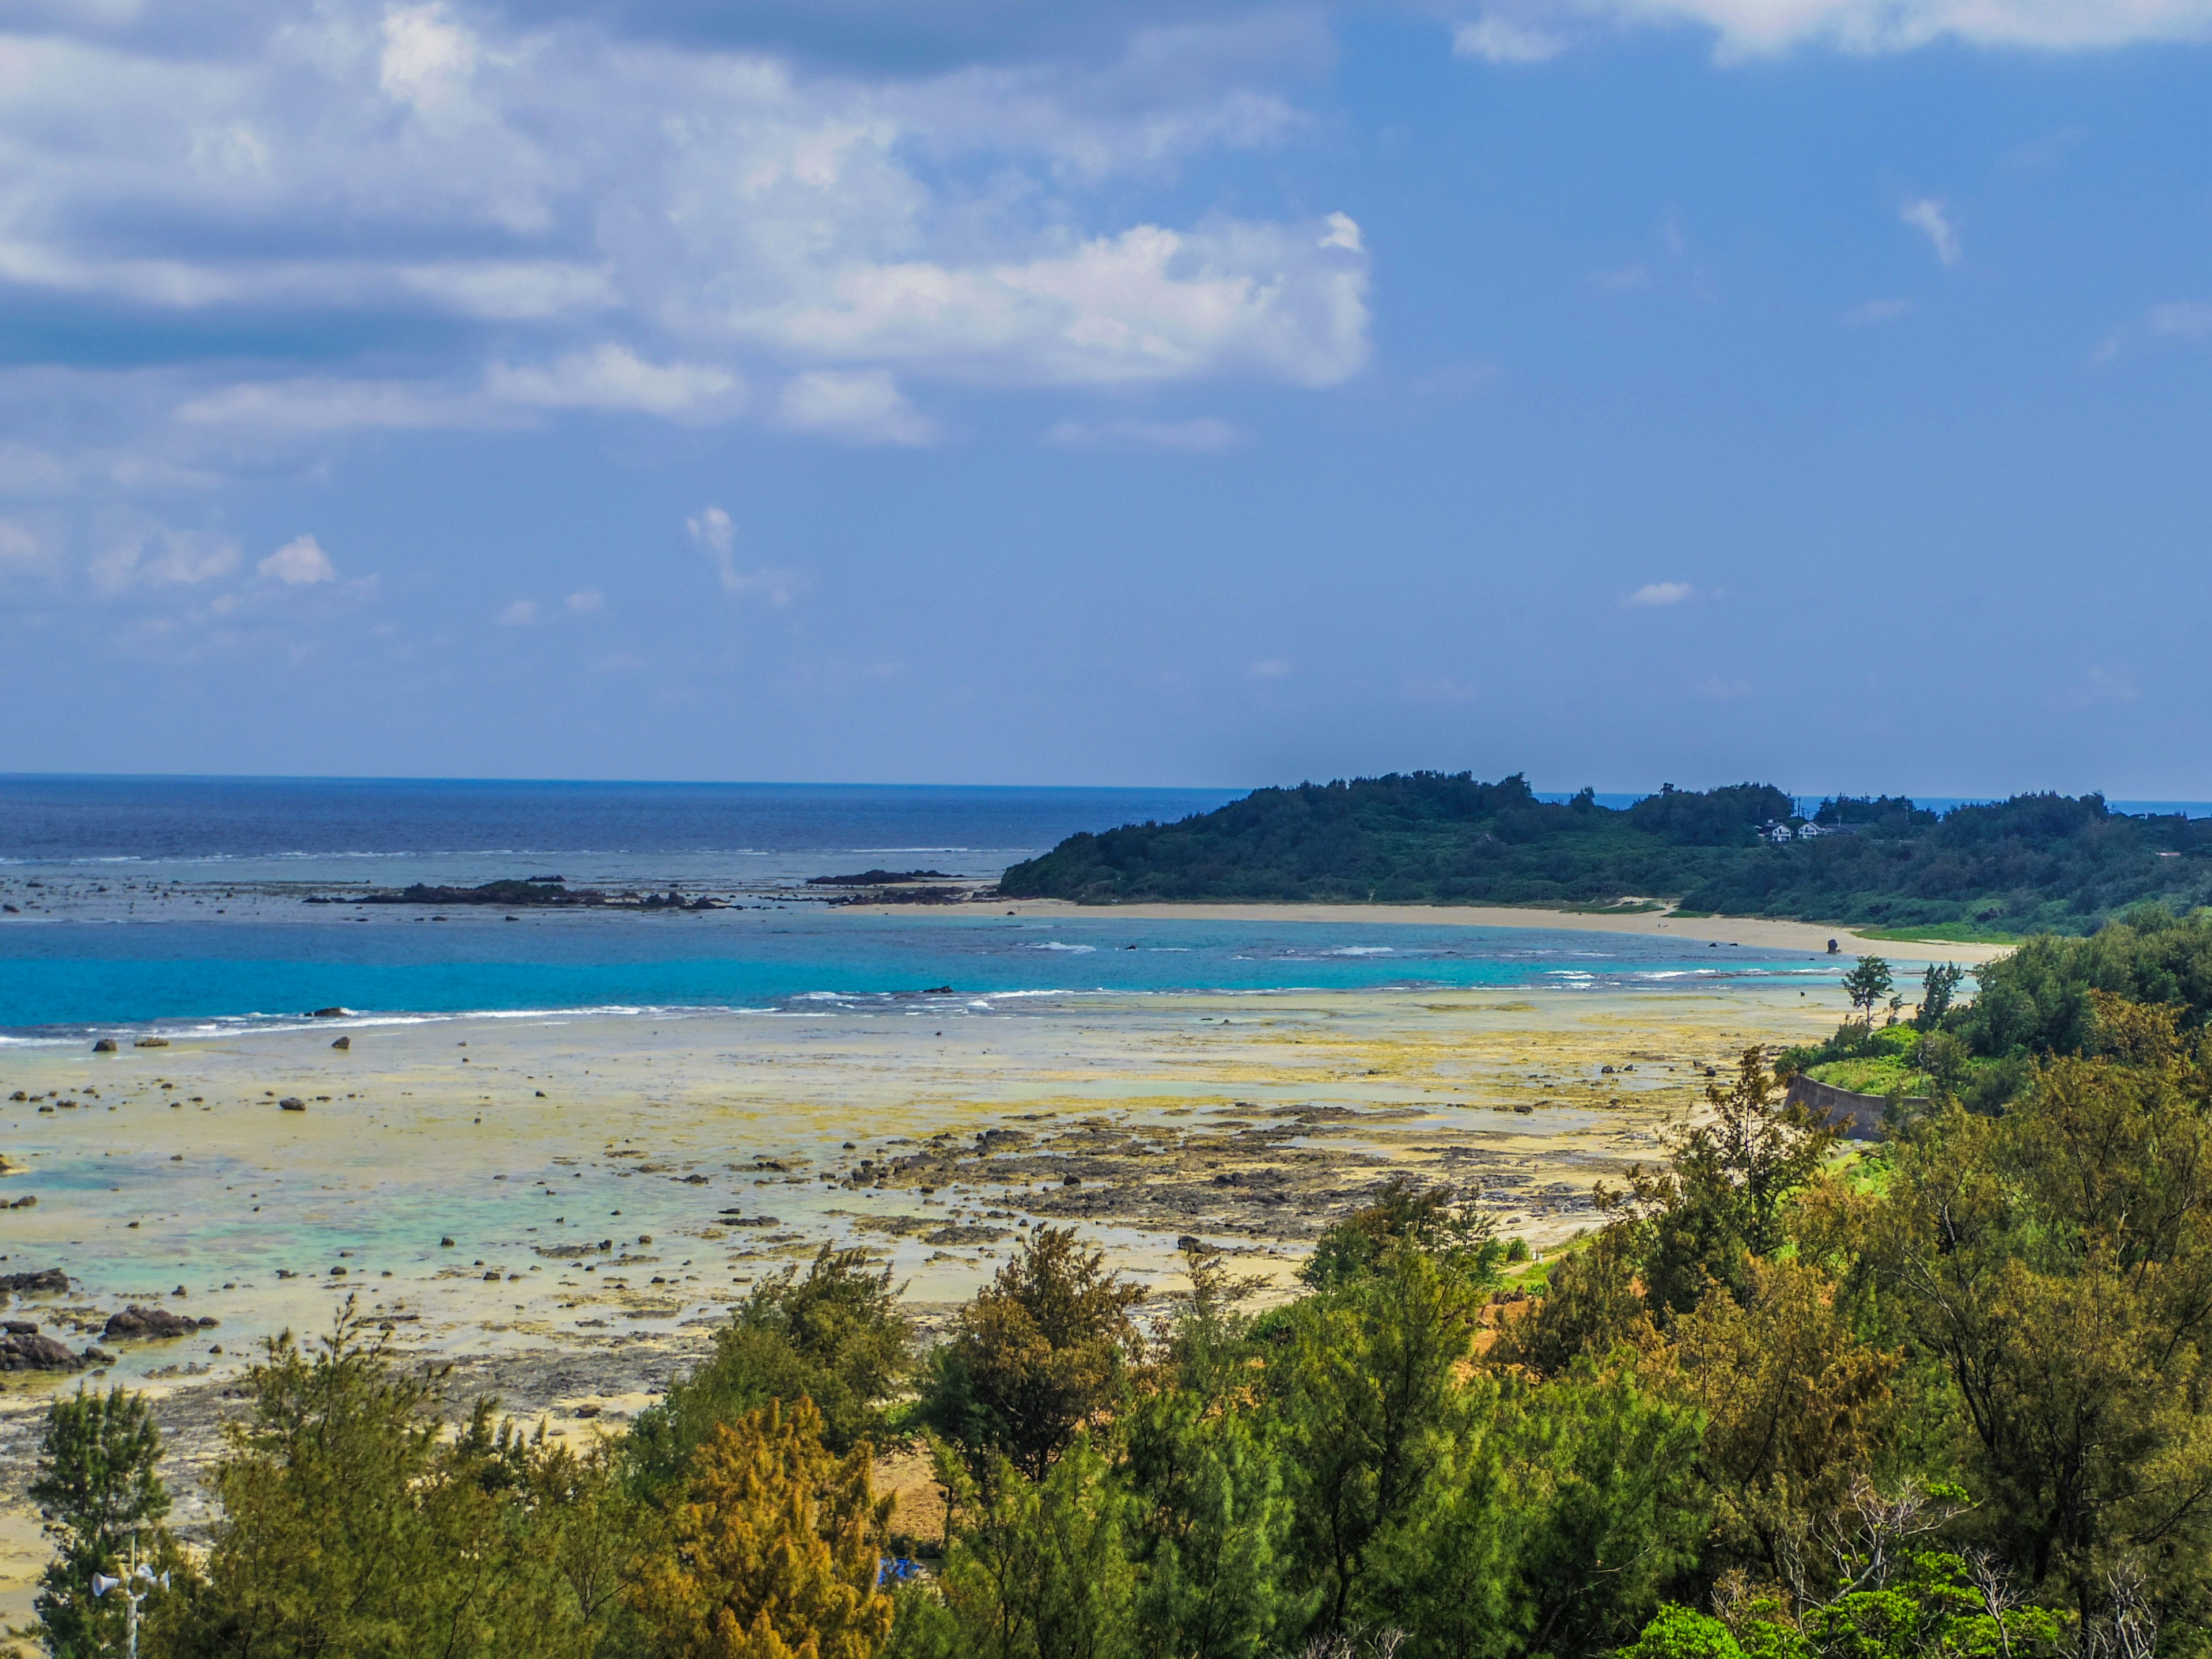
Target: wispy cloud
863	406
519	613
1269	668
1746	29
1877	310
2188	320
585	601
163	557
1930	217
1658	593
714	534
1497	40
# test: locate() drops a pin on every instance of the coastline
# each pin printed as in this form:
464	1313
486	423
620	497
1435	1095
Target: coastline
1759	933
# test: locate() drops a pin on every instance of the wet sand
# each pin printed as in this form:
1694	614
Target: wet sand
1661	923
611	1184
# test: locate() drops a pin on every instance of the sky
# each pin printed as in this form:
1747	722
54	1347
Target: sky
1224	393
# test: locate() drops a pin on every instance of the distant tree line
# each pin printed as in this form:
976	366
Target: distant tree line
2039	862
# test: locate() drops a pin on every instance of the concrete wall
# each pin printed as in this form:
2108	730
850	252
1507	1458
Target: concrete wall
1859	1116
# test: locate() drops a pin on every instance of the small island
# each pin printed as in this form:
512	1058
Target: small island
2034	863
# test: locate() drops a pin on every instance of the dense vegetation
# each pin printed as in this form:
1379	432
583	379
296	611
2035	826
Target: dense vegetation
1946	1400
2035	1001
2035	862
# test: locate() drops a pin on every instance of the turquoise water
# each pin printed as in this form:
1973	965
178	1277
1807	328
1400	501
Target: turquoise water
181	902
68	978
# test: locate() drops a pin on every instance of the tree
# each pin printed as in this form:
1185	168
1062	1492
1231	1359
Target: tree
837	1336
1040	1569
1366	1378
351	1524
1867	984
99	1483
1939	984
1408	1216
1205	1473
1796	1406
773	1550
1554	1520
1042	1350
2058	1263
1590	1303
1721	1198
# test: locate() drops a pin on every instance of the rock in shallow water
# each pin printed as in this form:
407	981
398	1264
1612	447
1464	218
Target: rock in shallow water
38	1353
147	1324
46	1278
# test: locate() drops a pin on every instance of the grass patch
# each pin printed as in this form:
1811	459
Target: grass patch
1937	932
1888	1075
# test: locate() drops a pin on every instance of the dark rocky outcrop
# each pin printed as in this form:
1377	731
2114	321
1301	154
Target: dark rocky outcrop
506	893
291	1103
344	1043
33	1352
880	877
44	1280
105	1046
137	1324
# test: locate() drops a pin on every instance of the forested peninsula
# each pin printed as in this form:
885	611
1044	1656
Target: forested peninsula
2034	863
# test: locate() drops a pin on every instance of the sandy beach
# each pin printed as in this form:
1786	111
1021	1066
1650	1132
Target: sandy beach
1760	932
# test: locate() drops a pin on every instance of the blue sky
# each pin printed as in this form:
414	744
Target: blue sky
1621	391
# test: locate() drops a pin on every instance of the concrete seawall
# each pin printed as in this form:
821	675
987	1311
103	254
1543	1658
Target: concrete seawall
1859	1116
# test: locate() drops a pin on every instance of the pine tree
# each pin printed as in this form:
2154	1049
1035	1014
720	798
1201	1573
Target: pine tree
776	1546
97	1482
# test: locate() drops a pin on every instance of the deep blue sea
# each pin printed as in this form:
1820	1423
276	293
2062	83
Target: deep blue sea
181	901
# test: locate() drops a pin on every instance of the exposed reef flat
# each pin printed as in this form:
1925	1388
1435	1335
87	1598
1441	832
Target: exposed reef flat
565	1206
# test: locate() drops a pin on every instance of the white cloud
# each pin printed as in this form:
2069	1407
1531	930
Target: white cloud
863	407
323	404
1926	215
585	601
1498	39
1271	302
519	613
299	560
725	212
613	377
1657	593
1206	435
712	532
1756	28
162	556
1269	668
428	58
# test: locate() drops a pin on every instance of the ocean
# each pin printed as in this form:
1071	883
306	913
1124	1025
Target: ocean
160	903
